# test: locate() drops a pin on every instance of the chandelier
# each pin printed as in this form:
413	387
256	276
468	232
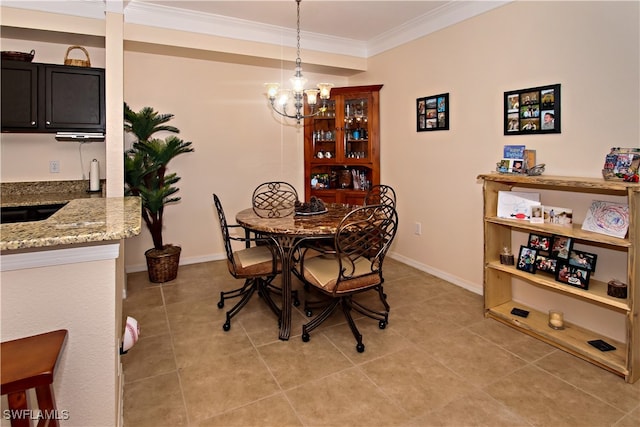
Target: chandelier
279	99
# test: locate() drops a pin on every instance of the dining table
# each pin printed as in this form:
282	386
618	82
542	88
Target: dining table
287	233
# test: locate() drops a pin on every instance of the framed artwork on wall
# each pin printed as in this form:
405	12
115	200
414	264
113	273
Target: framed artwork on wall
432	113
534	110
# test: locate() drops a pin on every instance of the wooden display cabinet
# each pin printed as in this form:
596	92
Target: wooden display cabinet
342	146
498	302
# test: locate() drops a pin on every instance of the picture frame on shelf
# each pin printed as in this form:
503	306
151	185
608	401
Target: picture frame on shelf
561	247
537	215
546	264
583	259
572	276
527	259
557	215
432	113
533	110
539	242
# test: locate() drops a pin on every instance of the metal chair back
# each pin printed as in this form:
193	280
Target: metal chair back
275	199
381	195
365	233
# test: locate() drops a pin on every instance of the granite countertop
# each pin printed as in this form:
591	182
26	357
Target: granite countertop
86	218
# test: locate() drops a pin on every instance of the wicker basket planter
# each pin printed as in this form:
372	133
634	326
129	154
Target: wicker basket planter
162	264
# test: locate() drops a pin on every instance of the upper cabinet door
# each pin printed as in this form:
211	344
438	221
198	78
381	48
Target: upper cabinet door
19	95
42	98
74	98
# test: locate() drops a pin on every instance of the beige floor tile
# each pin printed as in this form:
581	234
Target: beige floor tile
154	402
347	398
295	362
458	306
415	381
395	269
139	280
260	323
205	343
411	289
143	297
378	342
545	400
274	411
592	379
152	321
473	358
229	383
183	315
438	362
419	324
471	409
522	345
149	357
632	419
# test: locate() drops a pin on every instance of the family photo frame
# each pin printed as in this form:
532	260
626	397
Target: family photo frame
527	259
534	110
539	242
561	247
573	276
546	264
432	113
583	259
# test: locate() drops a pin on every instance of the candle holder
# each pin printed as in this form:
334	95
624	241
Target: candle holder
556	319
506	257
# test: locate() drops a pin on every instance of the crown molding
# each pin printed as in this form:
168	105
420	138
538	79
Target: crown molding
442	17
239	29
223	26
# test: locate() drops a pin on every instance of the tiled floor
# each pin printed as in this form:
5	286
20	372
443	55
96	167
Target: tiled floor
438	363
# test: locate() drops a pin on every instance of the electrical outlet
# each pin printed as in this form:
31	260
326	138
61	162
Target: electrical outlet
418	228
54	166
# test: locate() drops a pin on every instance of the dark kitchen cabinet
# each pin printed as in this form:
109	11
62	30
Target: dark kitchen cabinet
41	98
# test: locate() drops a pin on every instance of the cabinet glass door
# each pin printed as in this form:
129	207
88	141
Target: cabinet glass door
324	132
356	128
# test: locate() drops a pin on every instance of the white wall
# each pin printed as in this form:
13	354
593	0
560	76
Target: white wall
590	48
53	292
238	142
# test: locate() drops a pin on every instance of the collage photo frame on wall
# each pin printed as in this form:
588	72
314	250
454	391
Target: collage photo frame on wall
432	113
534	110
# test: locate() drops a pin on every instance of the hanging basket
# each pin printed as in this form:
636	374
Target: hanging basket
162	265
77	62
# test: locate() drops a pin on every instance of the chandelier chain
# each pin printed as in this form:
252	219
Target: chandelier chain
298	93
298	60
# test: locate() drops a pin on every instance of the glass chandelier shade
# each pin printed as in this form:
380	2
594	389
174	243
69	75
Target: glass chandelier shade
279	99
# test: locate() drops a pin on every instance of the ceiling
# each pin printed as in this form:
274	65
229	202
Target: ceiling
358	28
350	19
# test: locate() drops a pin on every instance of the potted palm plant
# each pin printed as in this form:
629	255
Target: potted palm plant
146	176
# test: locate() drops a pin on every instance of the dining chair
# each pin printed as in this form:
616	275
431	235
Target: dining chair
384	195
380	194
257	263
353	266
274	199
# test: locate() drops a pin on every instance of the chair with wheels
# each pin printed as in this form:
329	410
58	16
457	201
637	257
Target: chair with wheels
353	266
380	194
275	199
257	263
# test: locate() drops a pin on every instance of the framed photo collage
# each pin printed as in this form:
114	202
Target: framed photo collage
554	255
532	111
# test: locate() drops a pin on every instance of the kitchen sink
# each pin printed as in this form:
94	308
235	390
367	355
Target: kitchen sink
28	213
